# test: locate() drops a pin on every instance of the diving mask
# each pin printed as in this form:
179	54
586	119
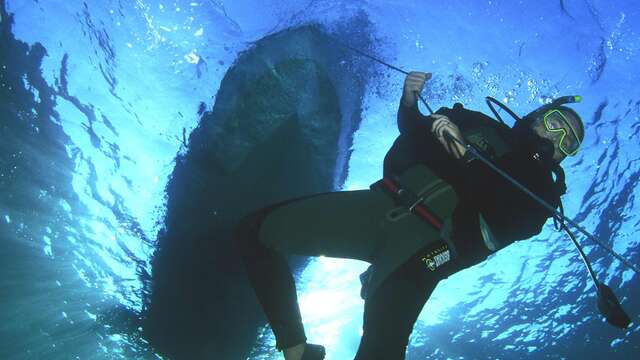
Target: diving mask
556	122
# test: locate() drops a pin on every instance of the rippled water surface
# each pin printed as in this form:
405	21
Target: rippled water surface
100	101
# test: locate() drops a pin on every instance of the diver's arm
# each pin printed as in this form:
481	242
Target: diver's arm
410	120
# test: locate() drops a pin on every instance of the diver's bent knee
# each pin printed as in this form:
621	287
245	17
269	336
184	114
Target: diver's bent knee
245	233
240	235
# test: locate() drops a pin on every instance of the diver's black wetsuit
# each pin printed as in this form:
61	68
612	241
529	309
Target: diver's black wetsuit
511	214
391	311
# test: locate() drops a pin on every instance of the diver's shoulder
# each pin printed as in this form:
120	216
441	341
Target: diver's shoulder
472	119
458	110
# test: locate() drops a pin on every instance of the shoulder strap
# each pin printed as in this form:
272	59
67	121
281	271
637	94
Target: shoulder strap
467	119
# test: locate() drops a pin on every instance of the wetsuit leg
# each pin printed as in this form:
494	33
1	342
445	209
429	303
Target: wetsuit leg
339	224
391	312
269	274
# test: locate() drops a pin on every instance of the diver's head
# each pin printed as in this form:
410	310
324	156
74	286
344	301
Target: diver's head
563	127
551	133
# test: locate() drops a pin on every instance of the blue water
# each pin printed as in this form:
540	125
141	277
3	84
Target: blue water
99	100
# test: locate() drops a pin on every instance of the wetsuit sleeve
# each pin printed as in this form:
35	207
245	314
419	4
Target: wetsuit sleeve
510	213
412	122
417	129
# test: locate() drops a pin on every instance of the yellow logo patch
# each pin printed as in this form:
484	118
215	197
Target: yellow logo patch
437	257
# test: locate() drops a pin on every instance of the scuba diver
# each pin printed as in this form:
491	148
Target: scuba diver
436	211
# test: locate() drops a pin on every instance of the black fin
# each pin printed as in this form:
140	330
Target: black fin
609	306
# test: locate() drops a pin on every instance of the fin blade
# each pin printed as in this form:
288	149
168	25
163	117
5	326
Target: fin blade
610	307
